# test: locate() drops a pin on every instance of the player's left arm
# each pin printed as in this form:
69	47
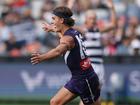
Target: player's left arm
113	24
66	43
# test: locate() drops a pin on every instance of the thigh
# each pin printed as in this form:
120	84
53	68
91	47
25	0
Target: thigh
63	96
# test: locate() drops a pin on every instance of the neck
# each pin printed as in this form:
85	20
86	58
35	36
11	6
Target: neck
64	29
89	26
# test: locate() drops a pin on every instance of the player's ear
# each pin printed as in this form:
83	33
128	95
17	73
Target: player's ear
61	20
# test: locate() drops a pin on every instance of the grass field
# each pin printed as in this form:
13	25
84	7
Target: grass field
26	100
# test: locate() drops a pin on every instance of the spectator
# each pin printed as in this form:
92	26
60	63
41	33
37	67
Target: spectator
110	48
4	31
13	48
12	18
22	18
135	47
98	4
124	46
2	49
4	36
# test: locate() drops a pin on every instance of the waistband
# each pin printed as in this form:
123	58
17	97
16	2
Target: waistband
83	75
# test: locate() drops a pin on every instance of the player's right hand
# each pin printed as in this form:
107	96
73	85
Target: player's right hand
35	58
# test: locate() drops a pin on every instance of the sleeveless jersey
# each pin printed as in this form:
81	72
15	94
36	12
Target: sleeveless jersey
94	46
76	58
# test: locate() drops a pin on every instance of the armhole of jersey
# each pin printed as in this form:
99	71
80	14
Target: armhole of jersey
80	47
72	37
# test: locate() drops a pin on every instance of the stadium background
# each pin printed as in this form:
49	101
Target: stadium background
21	33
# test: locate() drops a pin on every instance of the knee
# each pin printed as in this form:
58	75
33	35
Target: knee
54	101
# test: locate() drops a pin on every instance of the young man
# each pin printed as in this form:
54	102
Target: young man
93	41
84	81
92	34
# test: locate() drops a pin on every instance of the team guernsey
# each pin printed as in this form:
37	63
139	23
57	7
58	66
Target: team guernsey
84	81
76	59
94	46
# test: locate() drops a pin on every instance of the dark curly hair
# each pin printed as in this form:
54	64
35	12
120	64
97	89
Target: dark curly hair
66	14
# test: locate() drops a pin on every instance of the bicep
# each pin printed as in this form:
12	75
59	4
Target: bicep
61	48
68	41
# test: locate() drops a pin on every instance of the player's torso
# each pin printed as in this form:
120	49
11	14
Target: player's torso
76	58
94	46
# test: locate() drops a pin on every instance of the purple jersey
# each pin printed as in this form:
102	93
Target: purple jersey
84	81
76	58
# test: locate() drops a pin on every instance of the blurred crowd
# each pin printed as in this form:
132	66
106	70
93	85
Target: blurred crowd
21	25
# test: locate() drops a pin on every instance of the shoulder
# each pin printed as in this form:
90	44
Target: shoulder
71	32
66	38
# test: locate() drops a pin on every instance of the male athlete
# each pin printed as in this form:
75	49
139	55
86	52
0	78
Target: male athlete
92	34
93	41
84	81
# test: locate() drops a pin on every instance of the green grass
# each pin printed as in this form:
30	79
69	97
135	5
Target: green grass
47	103
30	101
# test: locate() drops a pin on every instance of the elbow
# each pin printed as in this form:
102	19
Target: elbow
114	25
58	53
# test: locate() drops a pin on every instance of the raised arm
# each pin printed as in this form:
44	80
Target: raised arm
66	43
70	3
113	23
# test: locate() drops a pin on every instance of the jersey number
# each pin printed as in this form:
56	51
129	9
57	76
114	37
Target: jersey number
81	45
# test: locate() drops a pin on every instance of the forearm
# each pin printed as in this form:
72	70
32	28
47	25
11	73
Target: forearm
50	55
113	17
70	3
112	24
59	50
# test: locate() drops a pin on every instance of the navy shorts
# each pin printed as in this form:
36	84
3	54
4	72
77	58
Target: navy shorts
86	87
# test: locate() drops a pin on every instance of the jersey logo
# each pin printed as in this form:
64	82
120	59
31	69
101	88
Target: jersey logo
85	64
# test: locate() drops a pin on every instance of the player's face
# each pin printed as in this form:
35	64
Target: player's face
57	21
91	20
